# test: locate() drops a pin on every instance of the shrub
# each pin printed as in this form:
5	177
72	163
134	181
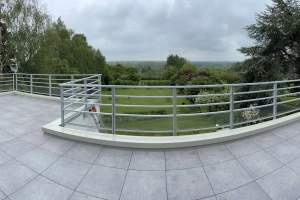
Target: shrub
155	82
212	99
251	113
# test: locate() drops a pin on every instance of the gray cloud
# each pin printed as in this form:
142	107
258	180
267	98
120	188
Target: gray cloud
151	30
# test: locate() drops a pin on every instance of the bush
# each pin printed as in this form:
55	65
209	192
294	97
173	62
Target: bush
123	82
212	99
155	82
201	80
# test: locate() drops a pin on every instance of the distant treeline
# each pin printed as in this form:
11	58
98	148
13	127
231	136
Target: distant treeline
162	64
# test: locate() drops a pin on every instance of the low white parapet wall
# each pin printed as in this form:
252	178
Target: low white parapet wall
166	141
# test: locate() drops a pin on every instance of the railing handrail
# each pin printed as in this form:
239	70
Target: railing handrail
180	87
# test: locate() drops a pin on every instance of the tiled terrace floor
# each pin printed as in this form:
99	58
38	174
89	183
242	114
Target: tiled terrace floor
34	165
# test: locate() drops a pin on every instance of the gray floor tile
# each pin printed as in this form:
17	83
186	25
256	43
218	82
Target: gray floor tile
58	145
36	137
188	184
294	125
103	182
182	159
13	176
287	133
251	191
266	140
67	172
84	152
227	176
118	158
146	160
4	123
281	184
2	196
284	152
16	147
144	185
18	130
295	165
4	157
38	159
210	198
242	147
9	115
43	189
259	164
214	154
23	117
295	141
37	124
4	136
80	196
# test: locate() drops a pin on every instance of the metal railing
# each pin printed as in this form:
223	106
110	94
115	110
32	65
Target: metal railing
78	96
173	110
7	82
159	110
43	84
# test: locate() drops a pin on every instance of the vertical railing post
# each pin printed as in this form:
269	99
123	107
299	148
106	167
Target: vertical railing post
62	106
31	84
50	86
13	85
174	112
85	97
113	110
16	82
231	107
275	100
99	91
72	78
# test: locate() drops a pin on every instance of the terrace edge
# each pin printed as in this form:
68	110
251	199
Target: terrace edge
166	142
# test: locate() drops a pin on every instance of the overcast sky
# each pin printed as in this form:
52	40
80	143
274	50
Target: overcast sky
124	30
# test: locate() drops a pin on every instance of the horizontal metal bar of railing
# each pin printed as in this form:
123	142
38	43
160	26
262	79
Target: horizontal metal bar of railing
284	95
199	105
287	88
252	92
208	95
254	107
249	100
203	114
287	101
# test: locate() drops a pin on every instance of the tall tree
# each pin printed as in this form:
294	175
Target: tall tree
63	51
27	20
176	61
276	54
6	50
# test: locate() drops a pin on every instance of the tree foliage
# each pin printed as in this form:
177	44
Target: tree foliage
176	61
124	75
26	20
202	78
42	45
276	54
6	50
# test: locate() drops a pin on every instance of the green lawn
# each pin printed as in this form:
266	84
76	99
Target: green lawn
292	103
153	123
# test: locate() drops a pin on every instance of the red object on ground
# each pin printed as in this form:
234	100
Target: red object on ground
93	109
